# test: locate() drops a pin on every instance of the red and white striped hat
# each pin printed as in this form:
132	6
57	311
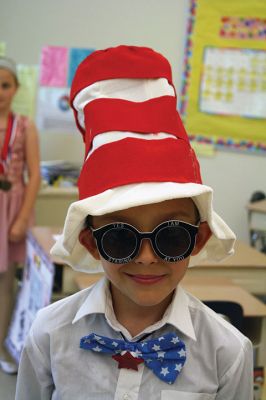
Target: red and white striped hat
136	149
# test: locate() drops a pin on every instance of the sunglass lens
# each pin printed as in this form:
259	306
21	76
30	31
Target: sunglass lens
119	243
173	241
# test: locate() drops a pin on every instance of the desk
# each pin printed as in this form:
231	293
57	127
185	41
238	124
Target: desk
45	237
246	268
52	204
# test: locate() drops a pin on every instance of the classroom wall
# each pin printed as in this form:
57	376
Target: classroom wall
26	26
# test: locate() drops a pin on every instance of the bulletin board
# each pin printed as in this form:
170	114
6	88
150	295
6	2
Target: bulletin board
223	93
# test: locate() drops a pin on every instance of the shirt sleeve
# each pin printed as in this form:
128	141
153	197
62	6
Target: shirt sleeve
237	382
34	379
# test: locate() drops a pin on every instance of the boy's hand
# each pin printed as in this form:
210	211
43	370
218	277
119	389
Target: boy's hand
18	230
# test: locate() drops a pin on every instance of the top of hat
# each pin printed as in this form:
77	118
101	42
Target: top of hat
122	92
120	62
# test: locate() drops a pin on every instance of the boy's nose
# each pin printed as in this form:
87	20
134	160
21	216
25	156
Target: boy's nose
146	253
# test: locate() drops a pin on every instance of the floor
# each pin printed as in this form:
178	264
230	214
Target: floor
7	386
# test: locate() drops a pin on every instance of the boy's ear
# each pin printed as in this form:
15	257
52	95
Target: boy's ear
204	234
88	241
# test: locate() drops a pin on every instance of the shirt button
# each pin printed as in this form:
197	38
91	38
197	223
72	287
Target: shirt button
126	397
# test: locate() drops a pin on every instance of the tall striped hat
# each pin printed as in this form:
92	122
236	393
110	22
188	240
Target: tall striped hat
136	148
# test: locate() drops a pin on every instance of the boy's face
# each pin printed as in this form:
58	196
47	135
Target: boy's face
147	280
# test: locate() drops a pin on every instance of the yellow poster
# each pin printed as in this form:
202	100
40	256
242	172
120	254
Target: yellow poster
2	48
223	99
25	100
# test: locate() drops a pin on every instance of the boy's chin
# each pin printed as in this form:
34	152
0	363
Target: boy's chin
147	298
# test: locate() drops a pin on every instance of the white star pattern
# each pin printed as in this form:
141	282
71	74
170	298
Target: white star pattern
175	340
164	371
182	353
136	353
156	348
97	337
161	338
97	348
87	341
178	367
161	354
115	344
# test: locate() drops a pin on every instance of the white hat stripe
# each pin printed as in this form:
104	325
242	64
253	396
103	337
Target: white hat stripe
110	137
136	90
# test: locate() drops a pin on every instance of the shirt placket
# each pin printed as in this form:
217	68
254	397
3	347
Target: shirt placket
128	384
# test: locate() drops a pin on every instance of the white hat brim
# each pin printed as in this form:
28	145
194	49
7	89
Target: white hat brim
71	252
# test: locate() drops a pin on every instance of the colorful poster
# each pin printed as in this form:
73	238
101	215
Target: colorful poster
57	69
243	28
54	112
75	58
35	293
24	102
53	67
223	91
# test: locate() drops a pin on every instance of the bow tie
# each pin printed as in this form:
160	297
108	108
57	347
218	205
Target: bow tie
165	355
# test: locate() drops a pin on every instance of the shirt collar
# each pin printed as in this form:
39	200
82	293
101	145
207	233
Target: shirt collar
95	302
177	314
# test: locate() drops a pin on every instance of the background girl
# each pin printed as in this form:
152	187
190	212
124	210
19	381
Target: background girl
19	153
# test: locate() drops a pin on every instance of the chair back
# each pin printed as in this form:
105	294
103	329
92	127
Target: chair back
231	310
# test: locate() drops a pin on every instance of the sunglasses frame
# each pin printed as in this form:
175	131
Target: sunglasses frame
98	235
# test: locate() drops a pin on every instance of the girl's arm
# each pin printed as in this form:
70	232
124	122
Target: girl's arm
20	225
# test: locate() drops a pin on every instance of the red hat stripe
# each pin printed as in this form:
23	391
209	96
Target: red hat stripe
124	89
133	161
120	62
110	137
151	116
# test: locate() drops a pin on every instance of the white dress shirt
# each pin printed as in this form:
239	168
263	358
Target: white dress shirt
219	361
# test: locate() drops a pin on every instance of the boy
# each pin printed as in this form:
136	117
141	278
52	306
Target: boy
144	215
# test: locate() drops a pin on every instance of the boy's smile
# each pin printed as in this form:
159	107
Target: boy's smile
147	282
146	279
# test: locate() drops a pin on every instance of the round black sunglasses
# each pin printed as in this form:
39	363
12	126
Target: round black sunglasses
119	243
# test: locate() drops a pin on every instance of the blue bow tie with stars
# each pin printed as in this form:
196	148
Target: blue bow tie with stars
165	355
